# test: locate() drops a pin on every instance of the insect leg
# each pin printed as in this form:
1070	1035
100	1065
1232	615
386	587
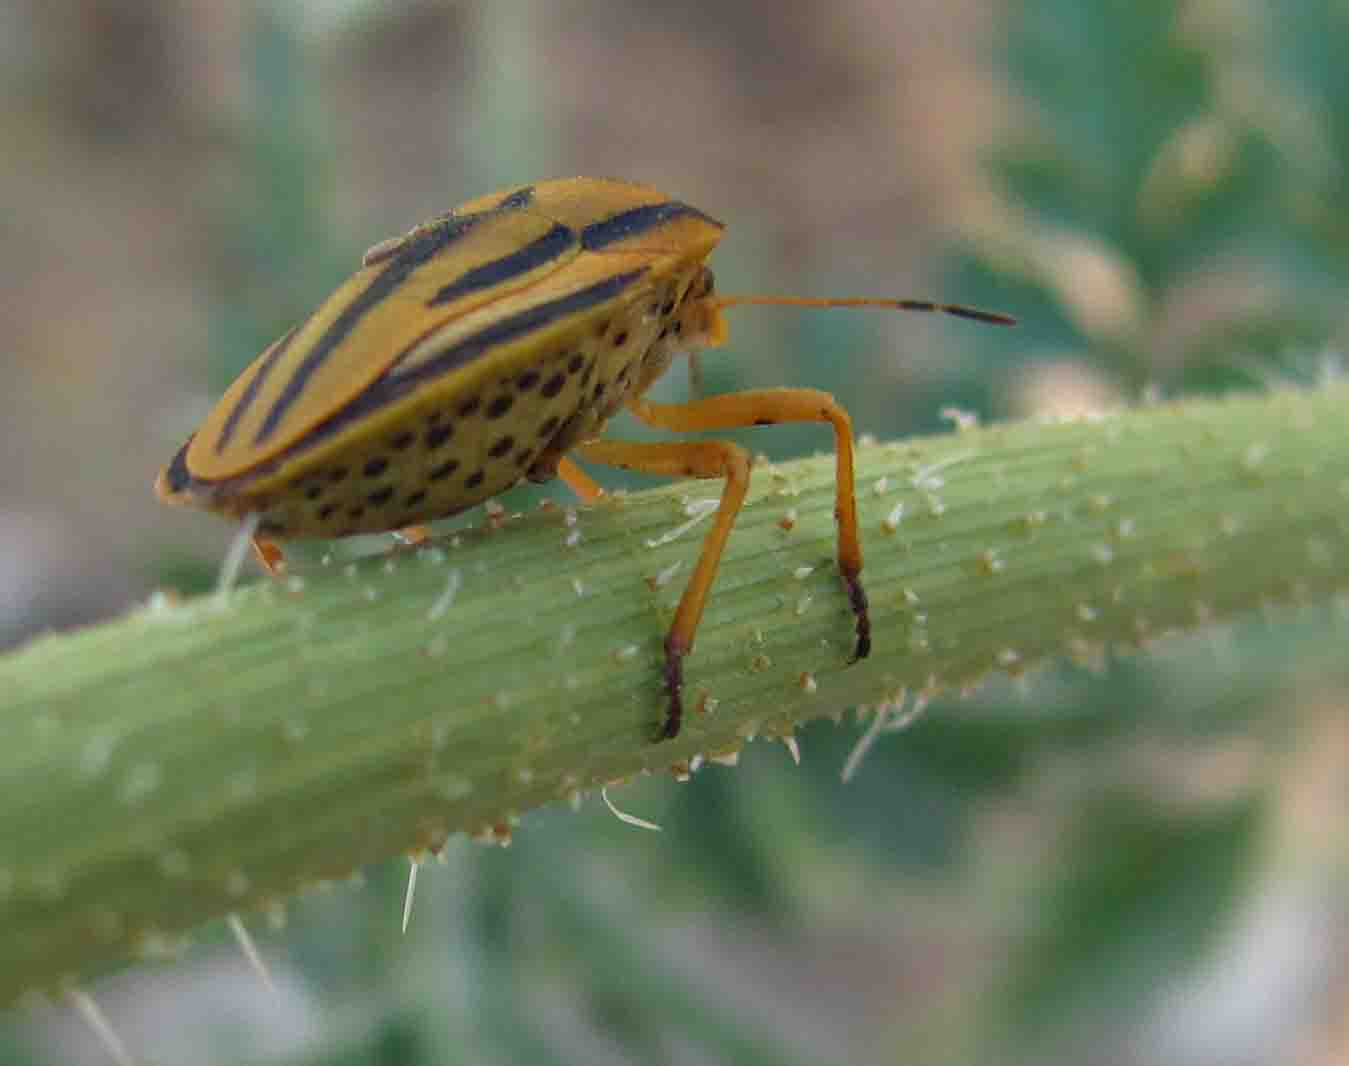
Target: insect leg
269	555
697	385
413	536
704	459
576	479
759	407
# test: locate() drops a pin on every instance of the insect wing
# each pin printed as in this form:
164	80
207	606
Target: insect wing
438	273
616	216
510	335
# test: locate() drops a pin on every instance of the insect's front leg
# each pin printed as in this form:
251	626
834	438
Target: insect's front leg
703	459
761	407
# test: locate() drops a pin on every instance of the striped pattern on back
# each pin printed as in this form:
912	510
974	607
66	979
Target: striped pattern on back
448	285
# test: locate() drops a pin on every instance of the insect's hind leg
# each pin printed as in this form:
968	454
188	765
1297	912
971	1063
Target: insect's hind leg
269	555
702	459
412	536
758	407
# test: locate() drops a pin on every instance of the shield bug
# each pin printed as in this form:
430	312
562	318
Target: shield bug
486	346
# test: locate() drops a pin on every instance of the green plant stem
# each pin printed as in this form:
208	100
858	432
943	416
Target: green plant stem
192	760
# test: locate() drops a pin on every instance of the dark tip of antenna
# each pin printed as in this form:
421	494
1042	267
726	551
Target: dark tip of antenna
993	318
996	318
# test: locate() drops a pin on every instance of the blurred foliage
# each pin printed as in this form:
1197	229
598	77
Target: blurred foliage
1166	221
1025	875
1143	891
272	234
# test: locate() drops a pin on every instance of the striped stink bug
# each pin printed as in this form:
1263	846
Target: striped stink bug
486	346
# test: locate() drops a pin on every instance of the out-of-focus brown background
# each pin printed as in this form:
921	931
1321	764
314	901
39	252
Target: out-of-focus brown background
185	180
1143	864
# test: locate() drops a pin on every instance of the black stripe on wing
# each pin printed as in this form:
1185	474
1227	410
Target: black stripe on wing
635	222
535	254
251	391
415	253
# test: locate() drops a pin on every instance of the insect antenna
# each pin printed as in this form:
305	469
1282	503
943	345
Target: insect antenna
995	318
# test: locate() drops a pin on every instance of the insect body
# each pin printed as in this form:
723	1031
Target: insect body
484	347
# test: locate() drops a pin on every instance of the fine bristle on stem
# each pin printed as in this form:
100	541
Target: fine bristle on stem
995	318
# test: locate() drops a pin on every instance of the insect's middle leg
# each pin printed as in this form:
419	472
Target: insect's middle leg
760	407
576	479
703	459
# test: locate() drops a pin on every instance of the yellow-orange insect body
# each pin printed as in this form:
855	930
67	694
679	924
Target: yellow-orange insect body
480	349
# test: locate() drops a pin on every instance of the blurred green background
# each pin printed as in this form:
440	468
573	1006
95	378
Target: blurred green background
1140	861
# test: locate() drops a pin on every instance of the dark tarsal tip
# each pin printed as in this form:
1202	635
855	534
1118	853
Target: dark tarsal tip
674	687
857	600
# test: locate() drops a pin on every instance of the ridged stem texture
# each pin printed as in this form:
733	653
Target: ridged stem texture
198	758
